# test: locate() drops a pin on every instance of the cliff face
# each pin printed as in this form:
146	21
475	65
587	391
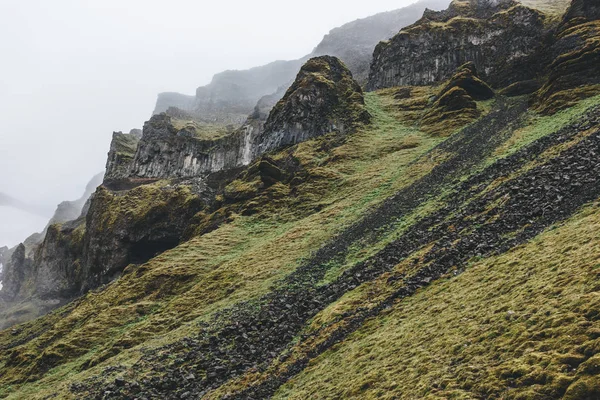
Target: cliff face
324	98
501	37
232	95
155	186
575	59
354	42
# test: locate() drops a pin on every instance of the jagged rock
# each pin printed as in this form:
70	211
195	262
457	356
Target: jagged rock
453	109
122	150
501	37
353	43
574	72
15	273
232	95
324	98
466	78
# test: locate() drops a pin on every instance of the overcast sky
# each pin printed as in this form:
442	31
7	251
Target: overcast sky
74	71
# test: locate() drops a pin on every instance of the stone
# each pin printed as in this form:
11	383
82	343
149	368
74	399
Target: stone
502	38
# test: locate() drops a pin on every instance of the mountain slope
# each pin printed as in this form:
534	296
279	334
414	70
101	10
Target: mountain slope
432	241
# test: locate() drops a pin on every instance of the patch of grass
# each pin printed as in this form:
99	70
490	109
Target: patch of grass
520	325
162	300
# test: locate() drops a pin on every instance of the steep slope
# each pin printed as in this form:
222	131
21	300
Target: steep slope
187	307
431	241
156	185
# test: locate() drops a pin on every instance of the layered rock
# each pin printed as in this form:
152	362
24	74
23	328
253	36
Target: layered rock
501	37
455	105
122	150
354	42
574	72
15	273
324	98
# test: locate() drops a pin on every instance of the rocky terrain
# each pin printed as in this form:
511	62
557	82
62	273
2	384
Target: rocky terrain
434	236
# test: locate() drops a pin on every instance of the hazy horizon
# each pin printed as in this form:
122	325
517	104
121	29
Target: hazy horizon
75	71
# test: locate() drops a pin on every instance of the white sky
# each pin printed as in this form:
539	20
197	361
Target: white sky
73	71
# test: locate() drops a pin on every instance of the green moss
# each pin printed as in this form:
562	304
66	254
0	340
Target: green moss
511	326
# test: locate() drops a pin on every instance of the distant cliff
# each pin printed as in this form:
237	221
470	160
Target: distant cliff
501	37
232	95
324	98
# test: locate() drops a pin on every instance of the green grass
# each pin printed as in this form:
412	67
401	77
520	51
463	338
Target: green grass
523	325
161	301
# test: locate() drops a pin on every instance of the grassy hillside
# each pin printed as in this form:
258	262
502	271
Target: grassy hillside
317	255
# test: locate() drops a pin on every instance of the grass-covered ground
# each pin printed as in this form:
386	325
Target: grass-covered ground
164	300
525	324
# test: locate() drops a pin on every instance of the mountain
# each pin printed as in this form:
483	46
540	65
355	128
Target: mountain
435	239
232	95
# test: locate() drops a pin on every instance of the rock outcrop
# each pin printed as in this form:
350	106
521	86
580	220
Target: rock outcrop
574	72
501	37
232	95
15	273
354	42
324	98
121	153
455	105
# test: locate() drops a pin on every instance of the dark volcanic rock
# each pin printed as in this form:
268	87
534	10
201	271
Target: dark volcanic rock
574	72
324	98
455	105
353	43
121	153
501	37
466	78
14	274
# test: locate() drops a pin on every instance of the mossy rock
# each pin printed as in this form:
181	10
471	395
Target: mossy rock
587	388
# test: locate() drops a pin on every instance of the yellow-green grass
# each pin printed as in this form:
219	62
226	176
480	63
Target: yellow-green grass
162	301
523	325
159	302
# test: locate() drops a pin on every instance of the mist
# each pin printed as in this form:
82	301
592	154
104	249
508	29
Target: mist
74	71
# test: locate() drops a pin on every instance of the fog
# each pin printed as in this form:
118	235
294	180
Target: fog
74	71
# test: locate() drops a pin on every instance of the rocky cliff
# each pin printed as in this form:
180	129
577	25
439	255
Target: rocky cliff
501	37
354	42
156	185
324	98
232	95
575	57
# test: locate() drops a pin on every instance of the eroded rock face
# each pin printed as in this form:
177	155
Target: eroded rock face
501	37
122	150
455	105
324	98
575	70
15	273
